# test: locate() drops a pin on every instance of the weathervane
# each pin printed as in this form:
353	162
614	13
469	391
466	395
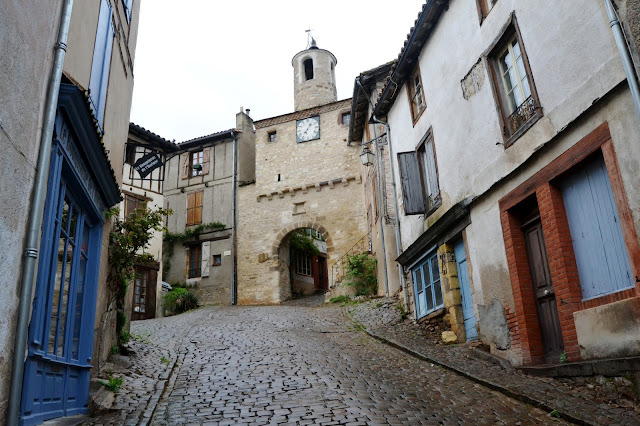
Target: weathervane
310	39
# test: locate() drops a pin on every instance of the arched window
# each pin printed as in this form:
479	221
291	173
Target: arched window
308	69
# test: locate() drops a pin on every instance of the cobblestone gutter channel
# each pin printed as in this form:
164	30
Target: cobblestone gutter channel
381	320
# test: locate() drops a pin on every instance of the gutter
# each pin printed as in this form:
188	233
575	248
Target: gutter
623	49
35	216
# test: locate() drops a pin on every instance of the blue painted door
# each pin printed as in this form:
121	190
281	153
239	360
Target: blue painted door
427	286
598	243
57	369
465	289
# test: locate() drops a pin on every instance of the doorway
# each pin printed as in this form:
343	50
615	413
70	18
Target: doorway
543	290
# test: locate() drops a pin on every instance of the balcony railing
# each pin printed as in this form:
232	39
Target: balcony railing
521	115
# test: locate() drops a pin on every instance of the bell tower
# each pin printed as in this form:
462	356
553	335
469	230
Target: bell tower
314	80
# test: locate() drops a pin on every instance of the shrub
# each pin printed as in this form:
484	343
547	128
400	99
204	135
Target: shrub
180	300
360	273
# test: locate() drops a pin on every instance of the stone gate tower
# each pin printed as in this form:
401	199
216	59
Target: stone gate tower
314	79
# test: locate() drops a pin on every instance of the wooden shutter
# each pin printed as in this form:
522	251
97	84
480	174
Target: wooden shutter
184	166
598	243
206	250
206	155
197	211
152	289
101	64
411	183
191	203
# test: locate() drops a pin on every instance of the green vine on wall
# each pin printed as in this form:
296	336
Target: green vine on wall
360	272
301	242
171	238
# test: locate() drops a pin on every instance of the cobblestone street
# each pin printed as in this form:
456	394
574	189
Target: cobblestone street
297	365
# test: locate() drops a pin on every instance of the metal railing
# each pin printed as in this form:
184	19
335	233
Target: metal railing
363	245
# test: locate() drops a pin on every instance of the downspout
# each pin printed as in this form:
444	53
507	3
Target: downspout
396	211
35	215
234	183
379	191
624	54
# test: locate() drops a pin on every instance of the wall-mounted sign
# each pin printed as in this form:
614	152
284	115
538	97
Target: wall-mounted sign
147	164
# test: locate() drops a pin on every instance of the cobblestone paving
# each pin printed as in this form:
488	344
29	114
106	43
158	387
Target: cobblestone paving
305	365
380	318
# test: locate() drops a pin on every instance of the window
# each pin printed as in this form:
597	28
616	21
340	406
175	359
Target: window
196	163
303	263
217	260
195	260
513	85
194	208
427	285
416	95
101	64
131	202
484	6
419	177
308	69
272	136
346	118
130	154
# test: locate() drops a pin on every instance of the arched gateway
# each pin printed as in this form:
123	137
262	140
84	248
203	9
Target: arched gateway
302	251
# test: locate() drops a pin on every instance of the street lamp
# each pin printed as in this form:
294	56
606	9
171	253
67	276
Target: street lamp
197	167
367	157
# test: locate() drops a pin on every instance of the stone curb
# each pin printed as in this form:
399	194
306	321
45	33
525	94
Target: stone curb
488	384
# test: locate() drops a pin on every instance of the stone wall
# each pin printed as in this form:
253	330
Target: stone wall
319	187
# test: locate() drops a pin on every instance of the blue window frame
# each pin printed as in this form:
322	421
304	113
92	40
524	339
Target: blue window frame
101	64
427	285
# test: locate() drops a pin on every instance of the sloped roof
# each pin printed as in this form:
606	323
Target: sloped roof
360	104
408	56
141	132
309	112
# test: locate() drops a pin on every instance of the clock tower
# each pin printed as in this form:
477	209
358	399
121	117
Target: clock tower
314	80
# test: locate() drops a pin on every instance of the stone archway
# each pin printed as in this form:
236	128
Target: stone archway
280	252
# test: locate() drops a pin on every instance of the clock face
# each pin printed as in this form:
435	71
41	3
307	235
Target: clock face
308	129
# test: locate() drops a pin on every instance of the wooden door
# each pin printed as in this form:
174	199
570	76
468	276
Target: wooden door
465	290
543	290
323	284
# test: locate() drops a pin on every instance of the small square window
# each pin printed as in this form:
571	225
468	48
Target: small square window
346	118
217	260
272	136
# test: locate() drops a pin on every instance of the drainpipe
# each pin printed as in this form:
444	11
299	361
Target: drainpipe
234	183
397	214
35	215
379	191
624	54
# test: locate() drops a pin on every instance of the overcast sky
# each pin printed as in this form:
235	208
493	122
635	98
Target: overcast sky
198	61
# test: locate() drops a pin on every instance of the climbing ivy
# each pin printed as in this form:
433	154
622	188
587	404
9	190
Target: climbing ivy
171	238
360	272
301	242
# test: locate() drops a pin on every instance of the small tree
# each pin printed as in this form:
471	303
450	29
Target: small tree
127	239
361	274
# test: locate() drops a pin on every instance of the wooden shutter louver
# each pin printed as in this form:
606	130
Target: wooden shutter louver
411	183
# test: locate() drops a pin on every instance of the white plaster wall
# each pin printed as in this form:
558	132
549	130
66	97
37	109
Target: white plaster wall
573	60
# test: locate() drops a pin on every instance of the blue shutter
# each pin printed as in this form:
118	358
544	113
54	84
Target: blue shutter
101	62
127	6
598	243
